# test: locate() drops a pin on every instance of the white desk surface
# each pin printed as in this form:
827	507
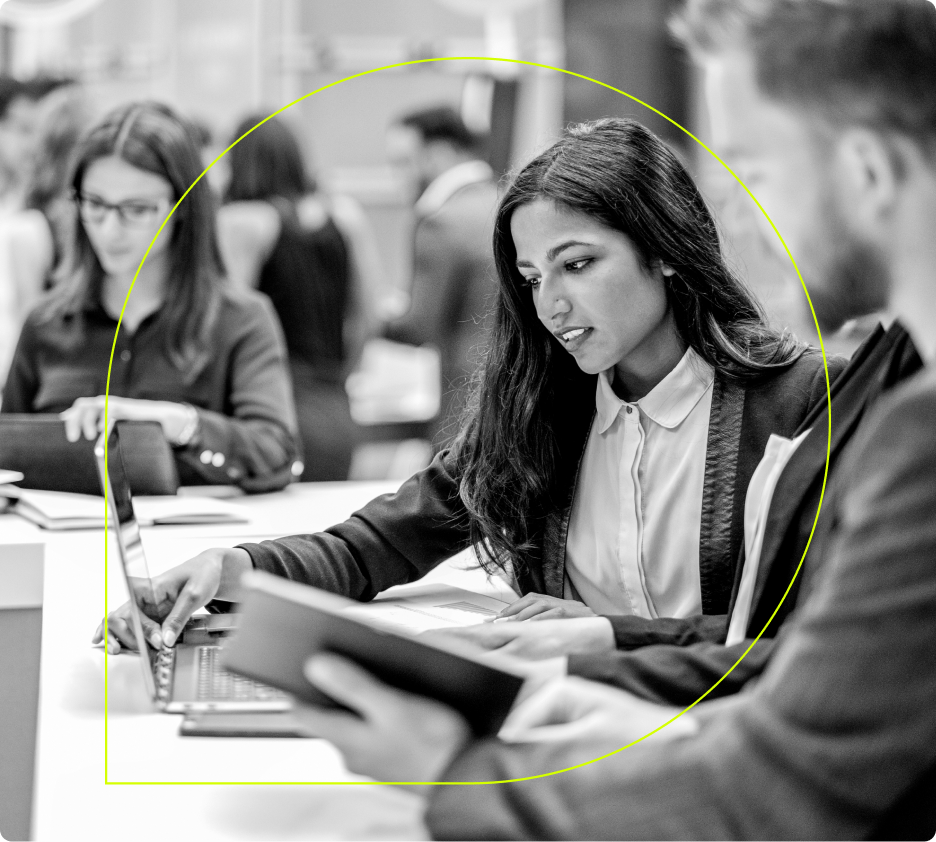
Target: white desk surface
71	800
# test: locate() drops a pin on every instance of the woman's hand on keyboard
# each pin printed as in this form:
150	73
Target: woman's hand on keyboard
174	596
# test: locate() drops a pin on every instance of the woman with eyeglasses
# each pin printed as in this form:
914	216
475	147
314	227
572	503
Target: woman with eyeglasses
205	362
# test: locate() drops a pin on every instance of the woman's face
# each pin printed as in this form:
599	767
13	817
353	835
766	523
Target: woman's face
121	209
592	292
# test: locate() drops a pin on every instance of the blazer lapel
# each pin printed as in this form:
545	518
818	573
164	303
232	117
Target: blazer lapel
577	423
858	385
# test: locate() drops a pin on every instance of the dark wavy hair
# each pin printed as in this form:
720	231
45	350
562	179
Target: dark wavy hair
620	174
151	137
267	164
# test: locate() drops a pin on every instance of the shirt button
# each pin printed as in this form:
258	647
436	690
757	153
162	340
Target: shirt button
205	456
630	409
217	460
125	355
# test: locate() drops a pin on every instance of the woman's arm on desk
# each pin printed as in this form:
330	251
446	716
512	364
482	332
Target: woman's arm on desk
394	539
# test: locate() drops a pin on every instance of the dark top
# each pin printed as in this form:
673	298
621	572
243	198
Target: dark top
243	397
307	277
400	537
837	740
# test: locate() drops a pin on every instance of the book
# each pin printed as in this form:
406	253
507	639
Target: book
64	510
283	623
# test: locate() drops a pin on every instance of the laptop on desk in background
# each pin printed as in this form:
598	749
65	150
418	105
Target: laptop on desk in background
186	677
36	446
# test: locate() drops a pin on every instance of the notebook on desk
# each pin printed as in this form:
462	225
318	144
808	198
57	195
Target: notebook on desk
58	510
186	677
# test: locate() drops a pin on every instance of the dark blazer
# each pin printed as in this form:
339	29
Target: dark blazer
452	291
837	740
400	537
246	419
683	668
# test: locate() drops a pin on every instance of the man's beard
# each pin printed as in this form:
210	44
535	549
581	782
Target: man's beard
850	278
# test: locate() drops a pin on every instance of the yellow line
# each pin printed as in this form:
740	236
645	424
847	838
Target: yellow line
766	625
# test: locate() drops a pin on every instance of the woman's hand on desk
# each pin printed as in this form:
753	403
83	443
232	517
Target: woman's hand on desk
85	417
536	641
175	596
539	606
396	736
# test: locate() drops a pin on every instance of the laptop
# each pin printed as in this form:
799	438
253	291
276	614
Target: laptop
36	446
187	677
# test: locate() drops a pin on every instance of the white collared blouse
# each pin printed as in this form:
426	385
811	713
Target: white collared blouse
633	541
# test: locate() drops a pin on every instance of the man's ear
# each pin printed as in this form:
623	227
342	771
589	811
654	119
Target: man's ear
868	176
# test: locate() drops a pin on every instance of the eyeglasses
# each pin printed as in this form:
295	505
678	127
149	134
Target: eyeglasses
134	213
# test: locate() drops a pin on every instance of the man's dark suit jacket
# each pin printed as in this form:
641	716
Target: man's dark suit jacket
837	740
452	293
680	671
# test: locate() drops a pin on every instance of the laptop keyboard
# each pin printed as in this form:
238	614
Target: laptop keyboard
218	685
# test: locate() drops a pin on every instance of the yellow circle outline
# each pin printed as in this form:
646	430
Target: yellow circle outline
462	783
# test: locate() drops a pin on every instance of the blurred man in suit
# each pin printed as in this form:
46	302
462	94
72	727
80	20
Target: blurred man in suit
453	267
827	111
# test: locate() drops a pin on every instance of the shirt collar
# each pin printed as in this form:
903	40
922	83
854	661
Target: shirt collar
668	403
446	185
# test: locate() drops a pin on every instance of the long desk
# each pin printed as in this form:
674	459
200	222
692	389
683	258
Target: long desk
72	801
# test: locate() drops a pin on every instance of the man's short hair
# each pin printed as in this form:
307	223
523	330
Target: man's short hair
32	89
852	62
39	87
441	123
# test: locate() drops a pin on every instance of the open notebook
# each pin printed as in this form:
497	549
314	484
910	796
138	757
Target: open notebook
418	608
63	510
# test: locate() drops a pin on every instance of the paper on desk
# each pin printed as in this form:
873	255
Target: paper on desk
425	607
64	510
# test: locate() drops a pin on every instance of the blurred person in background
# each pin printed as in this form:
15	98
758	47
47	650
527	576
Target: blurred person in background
314	255
63	118
18	118
205	362
453	285
40	120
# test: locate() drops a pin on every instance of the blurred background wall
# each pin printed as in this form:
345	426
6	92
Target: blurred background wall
217	59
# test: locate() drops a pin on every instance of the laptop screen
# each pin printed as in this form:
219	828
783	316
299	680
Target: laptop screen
130	553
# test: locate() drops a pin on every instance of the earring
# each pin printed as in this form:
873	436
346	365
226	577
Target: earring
668	271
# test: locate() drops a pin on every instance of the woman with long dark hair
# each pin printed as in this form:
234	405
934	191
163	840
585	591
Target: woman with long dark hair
207	363
629	392
313	255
